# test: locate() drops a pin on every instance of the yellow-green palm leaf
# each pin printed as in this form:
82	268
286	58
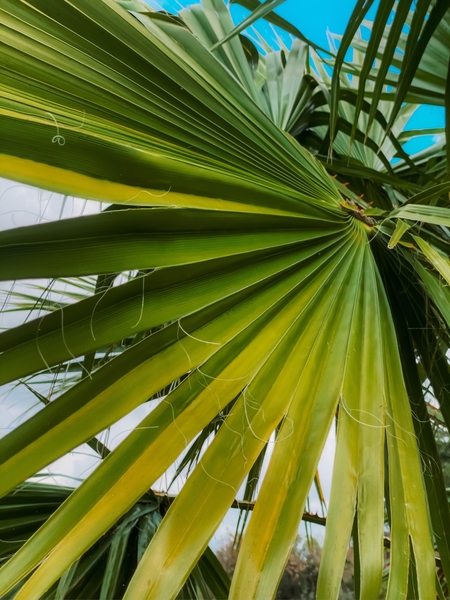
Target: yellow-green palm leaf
258	284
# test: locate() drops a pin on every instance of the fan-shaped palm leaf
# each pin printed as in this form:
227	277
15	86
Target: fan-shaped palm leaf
273	291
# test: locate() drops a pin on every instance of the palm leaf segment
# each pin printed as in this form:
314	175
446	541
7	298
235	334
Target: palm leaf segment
409	43
273	290
106	569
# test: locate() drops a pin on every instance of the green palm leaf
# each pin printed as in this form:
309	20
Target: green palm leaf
261	291
111	561
420	56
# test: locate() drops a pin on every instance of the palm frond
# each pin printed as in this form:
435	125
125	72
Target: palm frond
252	277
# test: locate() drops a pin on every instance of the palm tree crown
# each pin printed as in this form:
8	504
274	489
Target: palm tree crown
265	268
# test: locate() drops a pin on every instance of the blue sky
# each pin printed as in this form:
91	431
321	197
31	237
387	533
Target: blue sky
314	19
310	17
